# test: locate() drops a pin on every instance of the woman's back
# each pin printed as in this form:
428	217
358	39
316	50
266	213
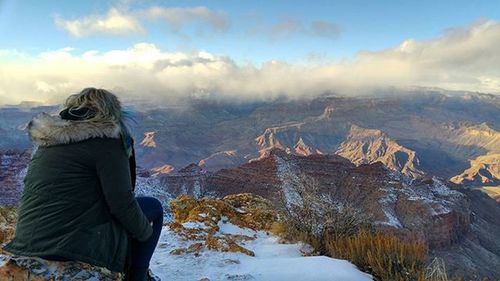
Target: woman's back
78	202
63	201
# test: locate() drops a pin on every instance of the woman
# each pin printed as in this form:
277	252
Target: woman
78	201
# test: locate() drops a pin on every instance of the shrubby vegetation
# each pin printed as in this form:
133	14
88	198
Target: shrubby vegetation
335	227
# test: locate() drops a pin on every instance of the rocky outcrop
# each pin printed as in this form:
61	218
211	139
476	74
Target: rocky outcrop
359	145
188	180
149	140
483	171
200	220
164	169
477	255
36	269
8	218
366	146
232	238
13	166
222	160
492	191
18	268
426	208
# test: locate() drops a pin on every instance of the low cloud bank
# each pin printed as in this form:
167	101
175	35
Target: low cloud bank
460	59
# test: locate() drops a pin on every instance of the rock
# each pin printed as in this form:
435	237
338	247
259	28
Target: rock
12	169
14	268
483	171
426	208
199	220
221	160
366	146
226	244
7	224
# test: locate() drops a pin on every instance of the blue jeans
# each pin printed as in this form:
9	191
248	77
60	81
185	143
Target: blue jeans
143	251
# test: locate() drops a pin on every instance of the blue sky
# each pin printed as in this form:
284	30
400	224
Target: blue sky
249	49
363	25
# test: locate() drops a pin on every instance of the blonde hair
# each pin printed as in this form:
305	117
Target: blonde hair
103	104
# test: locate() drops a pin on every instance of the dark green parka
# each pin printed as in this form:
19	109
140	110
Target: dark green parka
78	200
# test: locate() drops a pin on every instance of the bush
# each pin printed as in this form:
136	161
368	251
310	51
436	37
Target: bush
335	226
384	256
310	215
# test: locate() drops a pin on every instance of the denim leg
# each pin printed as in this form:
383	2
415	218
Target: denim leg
143	251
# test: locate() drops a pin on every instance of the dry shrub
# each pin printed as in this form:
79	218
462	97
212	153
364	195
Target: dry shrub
278	228
310	214
436	270
335	226
385	256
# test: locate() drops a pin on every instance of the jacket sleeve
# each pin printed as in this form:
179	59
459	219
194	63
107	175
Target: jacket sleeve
114	175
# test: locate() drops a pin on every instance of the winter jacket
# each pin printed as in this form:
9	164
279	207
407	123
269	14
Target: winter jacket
78	200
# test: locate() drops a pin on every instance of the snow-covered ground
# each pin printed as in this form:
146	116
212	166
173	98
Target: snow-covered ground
273	261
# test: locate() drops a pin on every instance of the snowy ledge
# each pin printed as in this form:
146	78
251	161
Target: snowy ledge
273	261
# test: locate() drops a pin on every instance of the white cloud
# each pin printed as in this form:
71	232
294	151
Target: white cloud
121	21
115	22
461	59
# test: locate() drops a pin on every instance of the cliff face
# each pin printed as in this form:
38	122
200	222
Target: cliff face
483	171
12	169
366	146
477	254
222	160
427	209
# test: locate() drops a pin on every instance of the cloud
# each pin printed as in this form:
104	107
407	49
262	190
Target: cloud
460	59
291	27
115	22
176	18
121	21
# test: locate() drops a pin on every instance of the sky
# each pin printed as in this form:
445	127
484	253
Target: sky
248	49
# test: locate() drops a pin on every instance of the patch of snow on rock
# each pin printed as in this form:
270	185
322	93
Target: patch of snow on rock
387	203
273	261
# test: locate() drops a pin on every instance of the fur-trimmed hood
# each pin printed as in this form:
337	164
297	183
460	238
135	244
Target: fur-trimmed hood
47	130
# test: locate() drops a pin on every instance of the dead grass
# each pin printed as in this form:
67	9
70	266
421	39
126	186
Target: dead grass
385	256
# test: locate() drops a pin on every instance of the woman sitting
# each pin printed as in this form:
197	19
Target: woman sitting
78	201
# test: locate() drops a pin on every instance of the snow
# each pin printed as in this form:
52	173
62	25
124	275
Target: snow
273	261
388	202
229	228
288	179
437	196
194	225
197	190
151	186
3	260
